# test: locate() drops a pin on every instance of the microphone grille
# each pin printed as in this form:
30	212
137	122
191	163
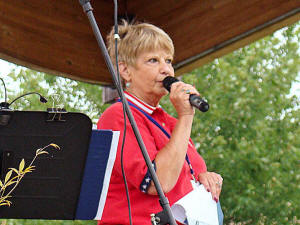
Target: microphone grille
168	81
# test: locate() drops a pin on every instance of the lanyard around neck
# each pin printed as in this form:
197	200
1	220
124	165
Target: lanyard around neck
165	132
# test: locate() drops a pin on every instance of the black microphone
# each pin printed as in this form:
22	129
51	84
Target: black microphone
195	100
42	98
6	112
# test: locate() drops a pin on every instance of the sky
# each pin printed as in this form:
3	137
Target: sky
5	68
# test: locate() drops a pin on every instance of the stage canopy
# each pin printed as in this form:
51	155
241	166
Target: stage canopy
54	36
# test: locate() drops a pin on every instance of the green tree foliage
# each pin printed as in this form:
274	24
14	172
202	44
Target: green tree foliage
249	135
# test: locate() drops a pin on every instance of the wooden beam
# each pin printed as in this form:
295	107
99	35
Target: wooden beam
55	36
206	58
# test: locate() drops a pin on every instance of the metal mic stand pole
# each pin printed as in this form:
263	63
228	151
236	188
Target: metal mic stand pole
87	8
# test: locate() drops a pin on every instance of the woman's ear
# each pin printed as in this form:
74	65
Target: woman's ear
124	72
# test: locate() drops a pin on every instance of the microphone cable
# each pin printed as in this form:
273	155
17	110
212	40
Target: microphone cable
5	90
42	98
5	104
117	37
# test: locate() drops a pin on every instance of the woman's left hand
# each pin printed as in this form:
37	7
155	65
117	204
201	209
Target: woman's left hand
212	183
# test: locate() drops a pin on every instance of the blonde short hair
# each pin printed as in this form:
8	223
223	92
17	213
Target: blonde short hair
136	38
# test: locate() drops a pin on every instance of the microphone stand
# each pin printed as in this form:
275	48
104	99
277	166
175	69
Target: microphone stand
164	202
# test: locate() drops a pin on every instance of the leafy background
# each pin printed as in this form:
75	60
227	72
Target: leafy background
250	135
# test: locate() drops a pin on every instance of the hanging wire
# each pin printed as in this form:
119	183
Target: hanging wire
117	38
5	90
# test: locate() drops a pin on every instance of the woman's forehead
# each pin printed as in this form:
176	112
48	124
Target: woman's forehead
159	52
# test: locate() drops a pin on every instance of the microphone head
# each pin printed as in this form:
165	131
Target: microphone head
168	81
43	99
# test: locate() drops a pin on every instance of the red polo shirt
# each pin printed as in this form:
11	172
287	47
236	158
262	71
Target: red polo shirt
142	205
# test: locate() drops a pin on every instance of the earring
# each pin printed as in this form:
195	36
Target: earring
127	84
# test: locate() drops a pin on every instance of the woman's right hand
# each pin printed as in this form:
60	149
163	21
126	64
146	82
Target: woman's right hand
179	97
170	159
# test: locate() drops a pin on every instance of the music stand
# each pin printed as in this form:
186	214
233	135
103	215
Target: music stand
52	190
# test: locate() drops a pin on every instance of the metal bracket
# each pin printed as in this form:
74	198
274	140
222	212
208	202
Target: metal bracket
56	114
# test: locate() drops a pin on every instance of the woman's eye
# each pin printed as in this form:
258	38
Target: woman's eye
169	61
153	60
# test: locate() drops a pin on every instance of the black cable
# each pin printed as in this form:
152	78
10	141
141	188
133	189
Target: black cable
116	36
5	90
42	99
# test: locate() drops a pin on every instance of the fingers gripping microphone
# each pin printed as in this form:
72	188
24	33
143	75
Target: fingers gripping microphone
195	100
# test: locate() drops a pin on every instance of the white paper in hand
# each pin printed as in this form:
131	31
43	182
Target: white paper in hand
197	207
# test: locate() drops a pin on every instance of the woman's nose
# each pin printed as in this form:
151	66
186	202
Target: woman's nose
166	69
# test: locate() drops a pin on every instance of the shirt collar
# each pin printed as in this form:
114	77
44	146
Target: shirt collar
139	103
